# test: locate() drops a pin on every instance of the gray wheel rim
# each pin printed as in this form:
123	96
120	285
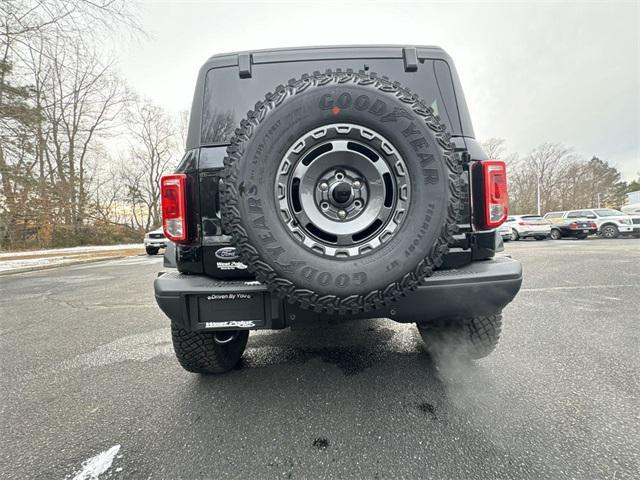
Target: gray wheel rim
608	232
342	190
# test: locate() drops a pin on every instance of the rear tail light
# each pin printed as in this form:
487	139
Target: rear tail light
490	178
573	226
174	207
522	223
592	225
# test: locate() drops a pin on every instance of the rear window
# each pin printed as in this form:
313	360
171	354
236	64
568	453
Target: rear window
579	214
608	212
553	215
228	98
532	217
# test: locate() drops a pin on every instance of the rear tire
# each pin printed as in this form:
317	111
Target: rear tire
609	232
201	353
152	250
555	234
514	235
292	206
470	338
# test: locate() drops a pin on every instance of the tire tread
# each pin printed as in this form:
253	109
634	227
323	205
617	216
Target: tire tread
199	353
473	337
285	289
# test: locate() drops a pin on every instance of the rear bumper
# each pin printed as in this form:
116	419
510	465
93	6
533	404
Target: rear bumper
155	243
535	233
629	229
567	232
200	303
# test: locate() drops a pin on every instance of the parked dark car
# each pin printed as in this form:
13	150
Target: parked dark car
354	189
576	228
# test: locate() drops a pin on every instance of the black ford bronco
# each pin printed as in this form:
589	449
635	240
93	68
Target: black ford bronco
332	183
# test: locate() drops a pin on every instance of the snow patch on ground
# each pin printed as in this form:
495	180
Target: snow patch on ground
95	466
73	250
36	259
31	262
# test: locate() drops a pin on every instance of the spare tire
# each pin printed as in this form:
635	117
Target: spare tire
341	191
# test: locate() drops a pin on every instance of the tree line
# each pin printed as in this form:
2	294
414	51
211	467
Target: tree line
561	179
63	109
81	154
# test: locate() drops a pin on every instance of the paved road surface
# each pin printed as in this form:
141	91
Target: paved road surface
87	366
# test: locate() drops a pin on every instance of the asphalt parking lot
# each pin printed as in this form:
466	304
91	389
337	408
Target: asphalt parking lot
87	366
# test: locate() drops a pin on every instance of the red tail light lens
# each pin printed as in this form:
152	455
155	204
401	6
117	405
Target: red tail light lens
174	207
573	226
492	182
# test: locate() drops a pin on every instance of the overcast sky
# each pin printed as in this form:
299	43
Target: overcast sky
532	72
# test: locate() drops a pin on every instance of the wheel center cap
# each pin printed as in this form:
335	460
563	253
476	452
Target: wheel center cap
342	193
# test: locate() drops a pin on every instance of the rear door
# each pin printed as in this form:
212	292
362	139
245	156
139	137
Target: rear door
229	92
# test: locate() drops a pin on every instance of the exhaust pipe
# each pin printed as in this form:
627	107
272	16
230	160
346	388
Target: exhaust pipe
224	337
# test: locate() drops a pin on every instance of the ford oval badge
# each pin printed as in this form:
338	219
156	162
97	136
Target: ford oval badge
227	253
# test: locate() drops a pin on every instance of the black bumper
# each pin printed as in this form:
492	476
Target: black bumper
567	232
201	303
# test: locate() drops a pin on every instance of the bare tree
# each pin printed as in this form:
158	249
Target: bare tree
154	151
494	148
57	99
560	179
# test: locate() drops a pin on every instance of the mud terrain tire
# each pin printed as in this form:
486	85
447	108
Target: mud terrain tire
342	107
200	353
469	338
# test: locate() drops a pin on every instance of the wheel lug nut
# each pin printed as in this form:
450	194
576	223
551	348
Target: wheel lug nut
357	203
324	205
339	176
357	184
324	186
342	214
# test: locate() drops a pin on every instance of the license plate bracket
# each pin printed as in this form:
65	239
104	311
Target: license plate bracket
229	310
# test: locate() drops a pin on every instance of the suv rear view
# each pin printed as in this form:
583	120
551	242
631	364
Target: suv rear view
352	188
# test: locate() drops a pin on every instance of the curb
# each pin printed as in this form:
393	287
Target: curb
64	264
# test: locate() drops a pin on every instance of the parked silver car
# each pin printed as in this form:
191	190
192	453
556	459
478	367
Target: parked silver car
527	226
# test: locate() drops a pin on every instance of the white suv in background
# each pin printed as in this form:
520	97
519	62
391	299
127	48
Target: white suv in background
154	241
524	226
611	223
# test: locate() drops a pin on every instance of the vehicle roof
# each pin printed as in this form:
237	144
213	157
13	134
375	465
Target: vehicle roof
567	211
328	52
